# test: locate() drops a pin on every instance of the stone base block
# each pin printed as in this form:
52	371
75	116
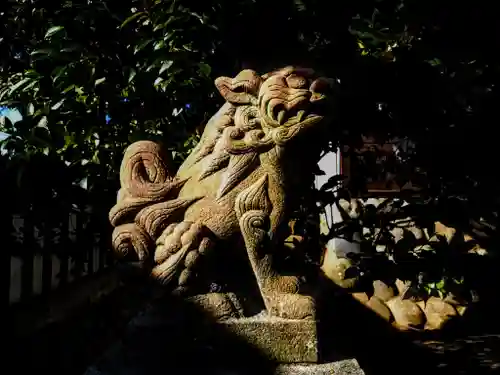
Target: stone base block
280	340
344	367
175	339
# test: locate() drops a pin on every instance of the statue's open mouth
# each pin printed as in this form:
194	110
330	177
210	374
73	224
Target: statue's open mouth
295	116
281	116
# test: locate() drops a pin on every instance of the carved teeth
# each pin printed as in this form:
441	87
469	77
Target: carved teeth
300	115
281	117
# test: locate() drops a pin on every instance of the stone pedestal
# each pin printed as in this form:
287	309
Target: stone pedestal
280	340
344	367
175	339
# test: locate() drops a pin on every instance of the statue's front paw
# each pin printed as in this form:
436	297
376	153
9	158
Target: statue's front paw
291	306
218	306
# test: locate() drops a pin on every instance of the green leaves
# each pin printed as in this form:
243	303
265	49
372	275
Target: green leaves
53	31
58	105
205	69
131	75
111	71
166	65
134	18
142	45
99	81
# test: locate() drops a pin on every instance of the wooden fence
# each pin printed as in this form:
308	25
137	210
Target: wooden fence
43	251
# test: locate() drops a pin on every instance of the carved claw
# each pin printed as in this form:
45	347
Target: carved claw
131	242
166	271
177	252
173	238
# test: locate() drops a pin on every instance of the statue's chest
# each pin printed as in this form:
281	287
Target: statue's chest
218	215
220	219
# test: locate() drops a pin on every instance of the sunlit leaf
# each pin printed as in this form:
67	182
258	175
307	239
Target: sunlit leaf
43	51
19	85
53	30
142	45
135	16
99	81
132	75
31	73
56	106
159	45
69	88
58	72
167	64
30	109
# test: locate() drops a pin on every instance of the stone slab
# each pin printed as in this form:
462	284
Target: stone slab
280	340
275	339
344	367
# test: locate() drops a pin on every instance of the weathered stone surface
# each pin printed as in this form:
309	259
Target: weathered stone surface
184	344
398	233
185	339
361	297
344	367
454	300
461	310
335	269
443	230
382	291
351	208
281	340
379	307
438	313
406	313
402	286
218	305
449	233
417	232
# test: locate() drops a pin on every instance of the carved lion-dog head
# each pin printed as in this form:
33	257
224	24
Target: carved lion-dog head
262	115
274	108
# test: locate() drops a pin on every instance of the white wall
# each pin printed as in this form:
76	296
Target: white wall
330	164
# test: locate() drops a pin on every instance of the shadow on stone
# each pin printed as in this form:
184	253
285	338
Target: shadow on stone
174	336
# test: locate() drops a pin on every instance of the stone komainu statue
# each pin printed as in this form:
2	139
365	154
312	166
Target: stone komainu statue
219	219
